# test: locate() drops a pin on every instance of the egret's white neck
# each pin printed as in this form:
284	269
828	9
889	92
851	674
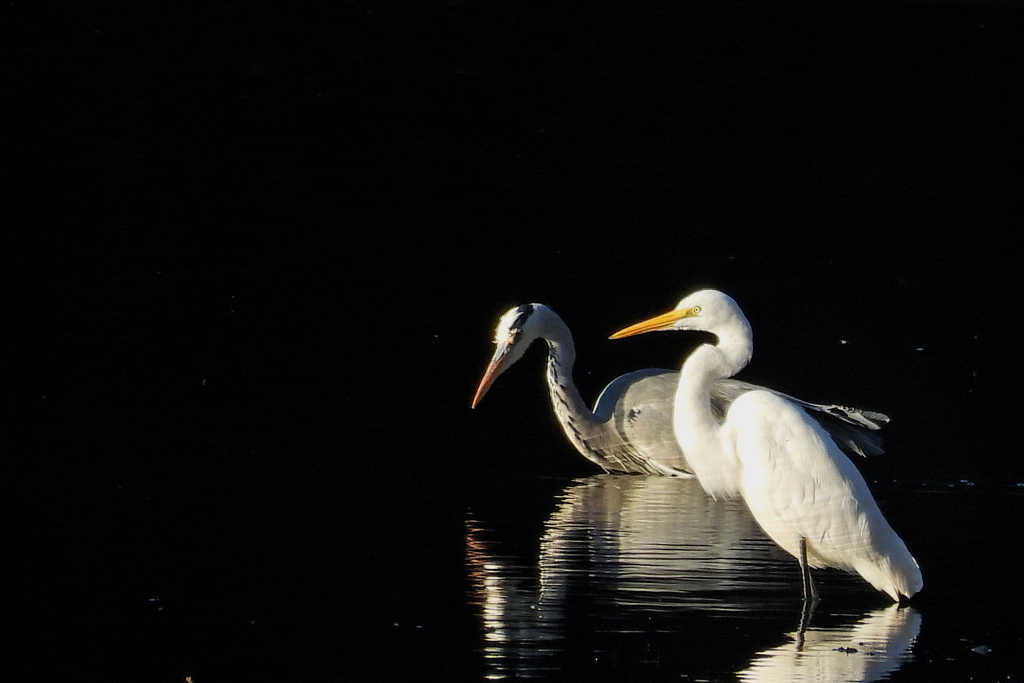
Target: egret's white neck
710	362
697	429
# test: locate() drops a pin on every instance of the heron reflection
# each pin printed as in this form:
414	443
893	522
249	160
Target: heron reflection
518	640
621	550
649	542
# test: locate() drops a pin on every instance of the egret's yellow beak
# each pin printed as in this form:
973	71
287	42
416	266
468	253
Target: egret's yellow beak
664	321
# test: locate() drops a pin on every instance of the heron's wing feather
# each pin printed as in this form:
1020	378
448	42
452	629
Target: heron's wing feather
850	437
867	419
853	429
637	409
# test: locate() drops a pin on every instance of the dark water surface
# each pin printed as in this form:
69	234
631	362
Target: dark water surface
262	555
257	251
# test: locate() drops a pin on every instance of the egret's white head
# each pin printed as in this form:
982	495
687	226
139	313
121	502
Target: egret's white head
517	328
707	310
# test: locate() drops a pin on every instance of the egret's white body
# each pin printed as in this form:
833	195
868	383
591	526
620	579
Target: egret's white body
802	490
630	427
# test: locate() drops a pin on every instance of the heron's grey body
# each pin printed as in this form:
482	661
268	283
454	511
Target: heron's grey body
630	427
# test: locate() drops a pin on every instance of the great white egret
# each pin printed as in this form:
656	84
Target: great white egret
630	428
806	495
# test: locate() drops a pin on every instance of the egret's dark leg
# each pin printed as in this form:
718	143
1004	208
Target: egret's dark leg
809	589
806	612
810	595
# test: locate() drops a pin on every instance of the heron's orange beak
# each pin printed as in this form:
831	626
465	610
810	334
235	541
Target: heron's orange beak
492	371
659	322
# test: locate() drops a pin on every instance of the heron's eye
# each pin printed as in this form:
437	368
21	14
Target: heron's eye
508	339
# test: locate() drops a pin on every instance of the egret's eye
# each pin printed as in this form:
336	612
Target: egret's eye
695	310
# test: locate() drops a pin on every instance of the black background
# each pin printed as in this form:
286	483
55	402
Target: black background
258	250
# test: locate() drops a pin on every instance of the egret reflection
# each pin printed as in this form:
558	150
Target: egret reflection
864	651
655	554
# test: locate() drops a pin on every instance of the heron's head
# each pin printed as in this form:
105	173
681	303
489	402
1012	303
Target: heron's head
707	310
517	328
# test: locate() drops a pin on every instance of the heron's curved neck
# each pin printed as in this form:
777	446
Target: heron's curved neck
576	418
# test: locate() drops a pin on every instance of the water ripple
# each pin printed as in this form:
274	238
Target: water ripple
633	555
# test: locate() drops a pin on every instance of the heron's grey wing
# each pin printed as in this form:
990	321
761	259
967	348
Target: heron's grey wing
853	439
854	430
637	409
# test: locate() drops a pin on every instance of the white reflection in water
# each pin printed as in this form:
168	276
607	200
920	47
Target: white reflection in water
625	545
653	542
866	651
517	635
